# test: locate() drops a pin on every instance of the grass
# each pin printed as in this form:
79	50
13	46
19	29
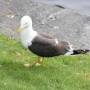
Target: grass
57	73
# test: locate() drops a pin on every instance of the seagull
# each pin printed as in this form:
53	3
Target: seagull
43	45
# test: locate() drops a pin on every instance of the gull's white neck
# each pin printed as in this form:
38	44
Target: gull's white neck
27	35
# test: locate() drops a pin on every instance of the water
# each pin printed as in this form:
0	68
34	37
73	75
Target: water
82	6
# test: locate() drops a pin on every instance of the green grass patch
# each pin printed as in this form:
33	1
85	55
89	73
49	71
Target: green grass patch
57	73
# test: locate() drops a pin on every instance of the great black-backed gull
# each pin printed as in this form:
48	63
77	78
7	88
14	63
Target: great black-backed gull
41	44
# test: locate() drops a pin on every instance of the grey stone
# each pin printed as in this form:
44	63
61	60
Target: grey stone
64	24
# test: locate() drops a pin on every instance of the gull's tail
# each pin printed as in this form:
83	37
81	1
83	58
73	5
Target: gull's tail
72	51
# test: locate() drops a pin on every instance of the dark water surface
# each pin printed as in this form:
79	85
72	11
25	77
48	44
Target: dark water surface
82	6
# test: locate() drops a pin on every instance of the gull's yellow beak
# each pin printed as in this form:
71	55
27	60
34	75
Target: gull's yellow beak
19	29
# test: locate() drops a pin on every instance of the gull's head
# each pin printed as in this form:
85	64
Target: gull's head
26	31
25	22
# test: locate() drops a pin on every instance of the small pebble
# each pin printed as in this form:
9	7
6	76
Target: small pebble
56	27
10	16
52	17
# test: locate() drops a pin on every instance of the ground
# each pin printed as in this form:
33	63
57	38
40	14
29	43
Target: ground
57	73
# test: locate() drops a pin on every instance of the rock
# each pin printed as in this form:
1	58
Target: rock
64	24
